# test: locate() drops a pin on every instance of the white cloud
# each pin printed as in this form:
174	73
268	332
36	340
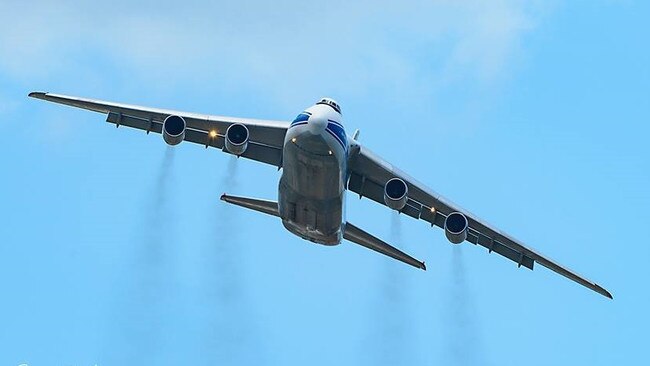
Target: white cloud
490	35
358	46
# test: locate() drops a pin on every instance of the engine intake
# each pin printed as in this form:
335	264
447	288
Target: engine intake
456	227
174	130
237	138
395	194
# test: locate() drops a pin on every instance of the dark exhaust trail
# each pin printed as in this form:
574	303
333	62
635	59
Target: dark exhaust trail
461	326
162	181
391	320
155	273
230	179
393	285
142	297
230	332
226	244
158	227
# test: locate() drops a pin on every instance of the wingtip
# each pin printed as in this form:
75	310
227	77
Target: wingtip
423	266
603	292
36	94
607	294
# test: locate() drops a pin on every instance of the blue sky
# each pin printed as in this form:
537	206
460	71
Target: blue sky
116	250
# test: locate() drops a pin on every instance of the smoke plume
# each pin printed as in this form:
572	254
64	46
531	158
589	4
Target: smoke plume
391	319
230	333
462	332
144	280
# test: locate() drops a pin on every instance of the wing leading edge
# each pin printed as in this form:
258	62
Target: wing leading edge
266	137
368	175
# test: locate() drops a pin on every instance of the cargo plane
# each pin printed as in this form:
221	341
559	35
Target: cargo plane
320	162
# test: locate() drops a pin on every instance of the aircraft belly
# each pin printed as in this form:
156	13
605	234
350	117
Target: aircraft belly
311	190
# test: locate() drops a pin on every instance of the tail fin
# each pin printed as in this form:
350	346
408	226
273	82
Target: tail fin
351	232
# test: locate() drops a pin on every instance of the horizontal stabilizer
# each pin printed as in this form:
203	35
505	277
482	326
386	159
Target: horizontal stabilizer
264	206
358	236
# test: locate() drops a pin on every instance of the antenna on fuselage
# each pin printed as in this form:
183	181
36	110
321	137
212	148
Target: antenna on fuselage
355	136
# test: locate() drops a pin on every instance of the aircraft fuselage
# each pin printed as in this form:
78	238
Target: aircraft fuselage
311	192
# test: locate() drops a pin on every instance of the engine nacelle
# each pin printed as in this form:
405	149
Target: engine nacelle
237	138
456	227
395	194
174	130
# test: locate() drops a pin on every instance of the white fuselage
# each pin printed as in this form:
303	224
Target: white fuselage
311	192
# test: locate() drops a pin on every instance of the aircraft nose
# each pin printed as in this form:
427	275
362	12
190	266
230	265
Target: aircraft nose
317	123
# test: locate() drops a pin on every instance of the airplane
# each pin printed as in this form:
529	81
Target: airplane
319	163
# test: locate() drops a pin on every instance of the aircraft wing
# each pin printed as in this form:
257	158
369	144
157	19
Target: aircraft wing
369	174
266	137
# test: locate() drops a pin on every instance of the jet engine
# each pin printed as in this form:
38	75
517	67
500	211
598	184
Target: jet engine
395	194
174	130
237	138
456	227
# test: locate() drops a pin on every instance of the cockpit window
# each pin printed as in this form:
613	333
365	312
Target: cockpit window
330	103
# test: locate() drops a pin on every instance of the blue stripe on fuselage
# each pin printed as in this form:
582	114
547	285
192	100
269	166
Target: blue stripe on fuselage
335	137
294	124
301	119
336	123
338	132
